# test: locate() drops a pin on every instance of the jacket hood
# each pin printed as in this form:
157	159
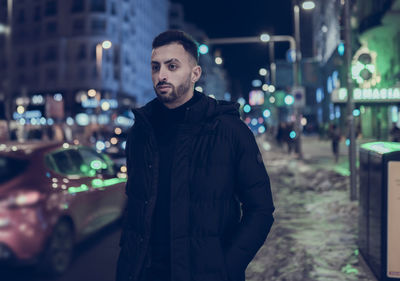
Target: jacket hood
206	108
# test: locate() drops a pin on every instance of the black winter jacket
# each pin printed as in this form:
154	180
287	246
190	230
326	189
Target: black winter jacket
221	202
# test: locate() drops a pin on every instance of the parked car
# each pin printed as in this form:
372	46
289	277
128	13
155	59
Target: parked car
53	195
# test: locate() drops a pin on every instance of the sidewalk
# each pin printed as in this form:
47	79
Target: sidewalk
314	236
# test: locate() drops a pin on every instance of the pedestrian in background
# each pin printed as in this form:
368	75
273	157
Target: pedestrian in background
395	133
199	199
335	136
280	135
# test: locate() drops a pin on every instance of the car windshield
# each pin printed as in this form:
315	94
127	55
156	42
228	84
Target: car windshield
10	168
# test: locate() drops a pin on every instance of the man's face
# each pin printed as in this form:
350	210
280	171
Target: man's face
174	73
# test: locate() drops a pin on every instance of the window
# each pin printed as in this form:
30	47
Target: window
51	28
22	79
98	5
113	9
81	74
81	52
98	25
116	74
37	14
36	58
36	32
64	162
78	6
127	60
116	56
21	61
78	25
94	72
21	16
50	8
51	74
51	54
126	16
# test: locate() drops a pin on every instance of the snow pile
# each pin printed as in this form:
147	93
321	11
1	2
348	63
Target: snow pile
314	236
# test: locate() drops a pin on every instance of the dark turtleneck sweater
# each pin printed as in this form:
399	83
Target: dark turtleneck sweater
165	122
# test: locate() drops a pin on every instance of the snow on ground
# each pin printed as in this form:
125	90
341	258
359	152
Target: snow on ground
314	236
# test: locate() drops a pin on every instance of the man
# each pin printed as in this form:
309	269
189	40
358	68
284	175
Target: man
191	162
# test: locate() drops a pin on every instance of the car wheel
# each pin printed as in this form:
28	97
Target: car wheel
59	250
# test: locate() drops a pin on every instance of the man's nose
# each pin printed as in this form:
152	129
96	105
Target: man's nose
163	75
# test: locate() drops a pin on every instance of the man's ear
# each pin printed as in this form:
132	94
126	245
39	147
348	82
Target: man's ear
196	73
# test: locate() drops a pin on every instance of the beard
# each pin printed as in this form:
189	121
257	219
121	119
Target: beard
175	92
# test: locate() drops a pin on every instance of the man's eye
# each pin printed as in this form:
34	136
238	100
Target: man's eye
155	67
172	66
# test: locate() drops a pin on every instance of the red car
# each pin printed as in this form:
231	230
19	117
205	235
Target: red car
53	195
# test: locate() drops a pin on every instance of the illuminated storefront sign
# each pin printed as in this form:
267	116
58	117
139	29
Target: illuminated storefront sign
93	103
27	114
368	95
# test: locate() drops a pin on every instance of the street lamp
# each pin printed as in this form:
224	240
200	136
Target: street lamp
218	60
106	44
308	5
262	71
8	83
265	37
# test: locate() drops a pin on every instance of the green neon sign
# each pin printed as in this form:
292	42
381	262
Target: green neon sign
368	95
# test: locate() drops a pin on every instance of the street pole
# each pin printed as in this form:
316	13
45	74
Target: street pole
272	64
9	80
255	39
296	82
350	105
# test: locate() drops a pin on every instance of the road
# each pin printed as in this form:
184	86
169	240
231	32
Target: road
95	259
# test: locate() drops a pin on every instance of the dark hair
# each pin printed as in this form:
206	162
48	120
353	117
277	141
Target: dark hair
177	36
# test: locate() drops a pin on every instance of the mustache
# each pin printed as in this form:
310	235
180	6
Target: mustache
163	83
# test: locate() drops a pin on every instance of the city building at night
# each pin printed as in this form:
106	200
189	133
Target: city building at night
60	50
375	69
327	17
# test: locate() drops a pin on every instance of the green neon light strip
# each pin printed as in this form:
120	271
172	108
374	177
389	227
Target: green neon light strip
382	147
81	188
98	183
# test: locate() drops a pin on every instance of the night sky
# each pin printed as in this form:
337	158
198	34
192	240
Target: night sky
240	19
